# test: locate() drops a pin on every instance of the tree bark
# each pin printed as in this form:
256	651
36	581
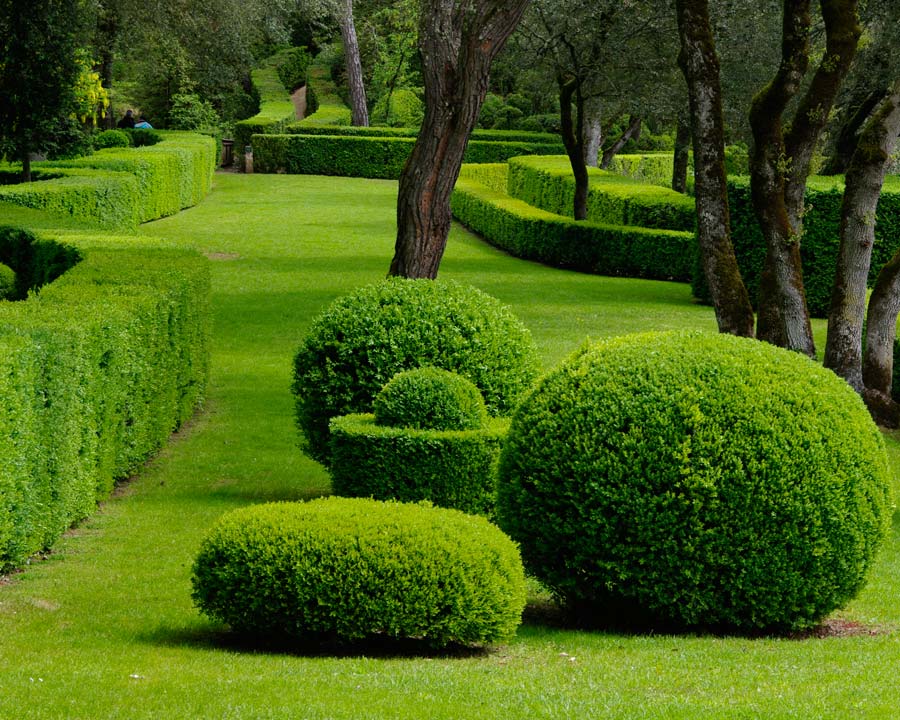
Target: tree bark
848	136
457	42
632	131
572	132
359	110
700	65
26	166
592	131
682	151
864	180
779	163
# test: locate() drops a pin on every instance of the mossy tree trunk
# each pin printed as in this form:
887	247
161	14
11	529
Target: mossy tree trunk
864	180
572	131
780	161
457	42
700	65
681	153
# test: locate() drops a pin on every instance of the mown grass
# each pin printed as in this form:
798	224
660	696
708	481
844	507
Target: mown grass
105	628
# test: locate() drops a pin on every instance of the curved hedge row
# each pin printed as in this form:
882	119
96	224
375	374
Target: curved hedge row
276	109
362	155
322	99
120	188
548	184
97	370
528	232
353	569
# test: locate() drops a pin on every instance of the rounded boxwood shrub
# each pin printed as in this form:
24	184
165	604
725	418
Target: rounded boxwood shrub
7	282
430	399
111	139
363	339
352	569
695	480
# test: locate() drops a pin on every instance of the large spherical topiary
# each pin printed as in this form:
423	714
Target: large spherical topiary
365	338
430	399
352	569
697	480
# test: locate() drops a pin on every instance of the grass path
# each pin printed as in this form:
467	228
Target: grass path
105	627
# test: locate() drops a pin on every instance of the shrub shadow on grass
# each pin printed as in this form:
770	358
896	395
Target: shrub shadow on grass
219	638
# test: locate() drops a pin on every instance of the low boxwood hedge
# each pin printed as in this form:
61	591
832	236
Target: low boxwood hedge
528	232
355	569
819	243
365	338
364	155
696	479
548	184
98	369
534	138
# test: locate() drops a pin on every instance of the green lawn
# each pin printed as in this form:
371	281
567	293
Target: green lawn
105	628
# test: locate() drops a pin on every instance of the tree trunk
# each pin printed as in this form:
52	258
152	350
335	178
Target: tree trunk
865	177
26	166
572	136
848	136
681	154
457	42
779	163
358	109
632	131
592	131
700	66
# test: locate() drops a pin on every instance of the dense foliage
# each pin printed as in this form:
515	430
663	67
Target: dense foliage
354	569
363	339
697	480
430	399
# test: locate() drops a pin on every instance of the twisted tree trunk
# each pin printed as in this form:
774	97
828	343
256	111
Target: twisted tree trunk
458	42
700	66
572	132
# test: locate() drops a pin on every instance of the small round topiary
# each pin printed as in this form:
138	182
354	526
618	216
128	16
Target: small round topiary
697	480
7	282
111	139
352	569
365	338
430	399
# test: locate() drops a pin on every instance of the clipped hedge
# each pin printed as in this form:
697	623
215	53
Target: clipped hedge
357	569
365	338
535	138
429	398
533	234
696	479
819	244
276	109
548	184
450	468
370	156
328	109
401	108
120	188
97	370
650	168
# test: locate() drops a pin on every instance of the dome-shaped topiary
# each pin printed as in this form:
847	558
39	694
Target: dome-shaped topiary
430	399
365	338
111	139
697	480
352	569
7	282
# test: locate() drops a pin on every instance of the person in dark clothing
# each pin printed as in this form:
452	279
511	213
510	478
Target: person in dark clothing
128	120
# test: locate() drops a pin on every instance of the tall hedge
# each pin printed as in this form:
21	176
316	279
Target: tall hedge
534	234
820	241
101	366
548	183
276	109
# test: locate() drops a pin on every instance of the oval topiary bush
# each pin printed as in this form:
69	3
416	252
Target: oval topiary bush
352	569
365	338
697	480
111	139
7	282
430	399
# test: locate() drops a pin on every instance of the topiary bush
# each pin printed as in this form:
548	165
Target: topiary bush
353	569
363	339
7	282
111	139
430	399
697	480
